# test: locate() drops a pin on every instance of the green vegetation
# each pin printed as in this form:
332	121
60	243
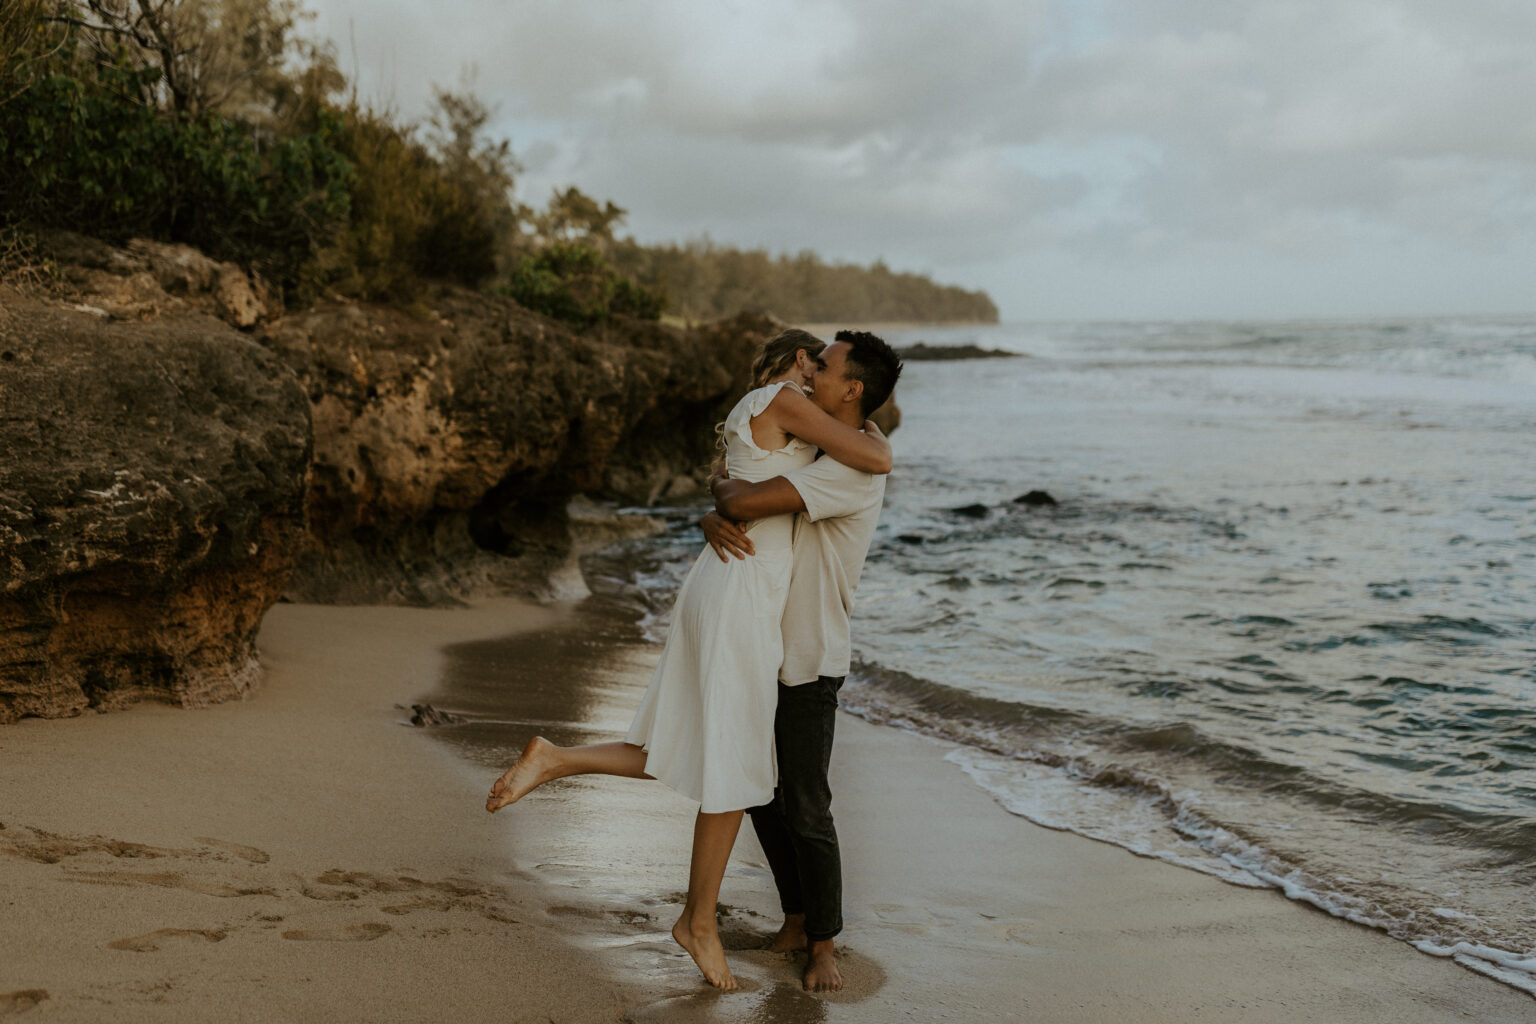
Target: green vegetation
574	282
213	122
97	131
703	281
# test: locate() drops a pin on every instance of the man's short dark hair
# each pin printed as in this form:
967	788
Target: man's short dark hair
874	363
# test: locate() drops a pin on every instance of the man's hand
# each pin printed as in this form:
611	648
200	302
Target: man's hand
726	535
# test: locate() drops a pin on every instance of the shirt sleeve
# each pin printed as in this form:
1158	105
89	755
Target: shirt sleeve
831	489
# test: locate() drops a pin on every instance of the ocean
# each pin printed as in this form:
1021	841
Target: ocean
1279	625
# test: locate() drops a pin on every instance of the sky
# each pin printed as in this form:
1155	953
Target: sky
1076	159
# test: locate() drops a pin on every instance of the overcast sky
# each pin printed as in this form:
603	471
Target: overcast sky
1077	159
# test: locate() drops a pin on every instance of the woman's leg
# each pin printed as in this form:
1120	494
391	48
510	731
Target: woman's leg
542	762
713	837
696	930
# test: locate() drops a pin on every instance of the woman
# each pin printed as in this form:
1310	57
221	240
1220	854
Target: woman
705	724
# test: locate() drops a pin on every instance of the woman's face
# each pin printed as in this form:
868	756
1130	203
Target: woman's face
806	365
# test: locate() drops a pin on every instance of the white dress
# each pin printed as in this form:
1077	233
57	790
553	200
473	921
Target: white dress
706	720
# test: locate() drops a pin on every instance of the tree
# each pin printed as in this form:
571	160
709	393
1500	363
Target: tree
20	21
573	216
232	57
480	172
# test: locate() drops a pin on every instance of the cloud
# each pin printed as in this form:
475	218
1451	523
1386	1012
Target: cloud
991	138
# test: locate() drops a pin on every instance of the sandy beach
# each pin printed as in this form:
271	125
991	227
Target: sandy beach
303	855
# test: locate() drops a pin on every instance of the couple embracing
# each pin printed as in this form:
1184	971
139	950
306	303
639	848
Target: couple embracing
740	712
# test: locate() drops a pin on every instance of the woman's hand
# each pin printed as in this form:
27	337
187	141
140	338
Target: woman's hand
718	471
726	535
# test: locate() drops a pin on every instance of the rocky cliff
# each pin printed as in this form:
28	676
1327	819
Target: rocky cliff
449	441
175	454
165	476
152	484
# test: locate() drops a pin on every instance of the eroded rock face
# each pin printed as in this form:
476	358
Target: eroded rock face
148	280
164	477
448	443
152	482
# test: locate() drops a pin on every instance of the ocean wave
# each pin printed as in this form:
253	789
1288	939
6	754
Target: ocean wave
1085	773
1431	630
1059	737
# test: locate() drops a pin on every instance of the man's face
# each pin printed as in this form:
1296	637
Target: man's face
829	383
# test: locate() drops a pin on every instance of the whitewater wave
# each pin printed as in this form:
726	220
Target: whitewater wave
1059	768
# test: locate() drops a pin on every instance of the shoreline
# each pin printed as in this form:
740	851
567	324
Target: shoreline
968	916
825	330
302	855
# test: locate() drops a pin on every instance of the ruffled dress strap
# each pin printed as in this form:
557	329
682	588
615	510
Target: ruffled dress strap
738	424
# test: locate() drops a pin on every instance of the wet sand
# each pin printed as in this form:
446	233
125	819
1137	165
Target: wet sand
302	855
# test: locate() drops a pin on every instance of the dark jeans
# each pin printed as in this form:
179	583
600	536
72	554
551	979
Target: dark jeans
796	829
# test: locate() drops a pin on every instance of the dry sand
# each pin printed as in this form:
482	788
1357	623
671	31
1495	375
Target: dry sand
301	856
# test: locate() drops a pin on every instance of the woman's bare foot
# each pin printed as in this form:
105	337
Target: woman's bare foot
703	944
821	973
791	937
532	769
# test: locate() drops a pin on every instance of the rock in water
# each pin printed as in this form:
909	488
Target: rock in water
425	715
922	351
971	511
1035	498
151	505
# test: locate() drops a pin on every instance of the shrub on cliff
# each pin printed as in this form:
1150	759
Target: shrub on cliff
208	122
572	281
82	144
562	264
419	211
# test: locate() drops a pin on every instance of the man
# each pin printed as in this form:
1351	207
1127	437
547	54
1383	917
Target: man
839	508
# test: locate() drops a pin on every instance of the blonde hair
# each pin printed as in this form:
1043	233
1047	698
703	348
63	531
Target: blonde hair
778	353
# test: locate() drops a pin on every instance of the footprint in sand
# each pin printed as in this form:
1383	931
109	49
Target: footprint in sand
438	904
327	894
499	916
20	1001
249	853
757	1000
151	941
630	917
166	880
736	936
365	932
46	847
911	919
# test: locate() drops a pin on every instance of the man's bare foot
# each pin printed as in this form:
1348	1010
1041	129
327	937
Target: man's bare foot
703	944
532	769
821	973
791	937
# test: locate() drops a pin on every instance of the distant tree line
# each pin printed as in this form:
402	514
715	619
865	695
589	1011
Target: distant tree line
216	123
702	280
